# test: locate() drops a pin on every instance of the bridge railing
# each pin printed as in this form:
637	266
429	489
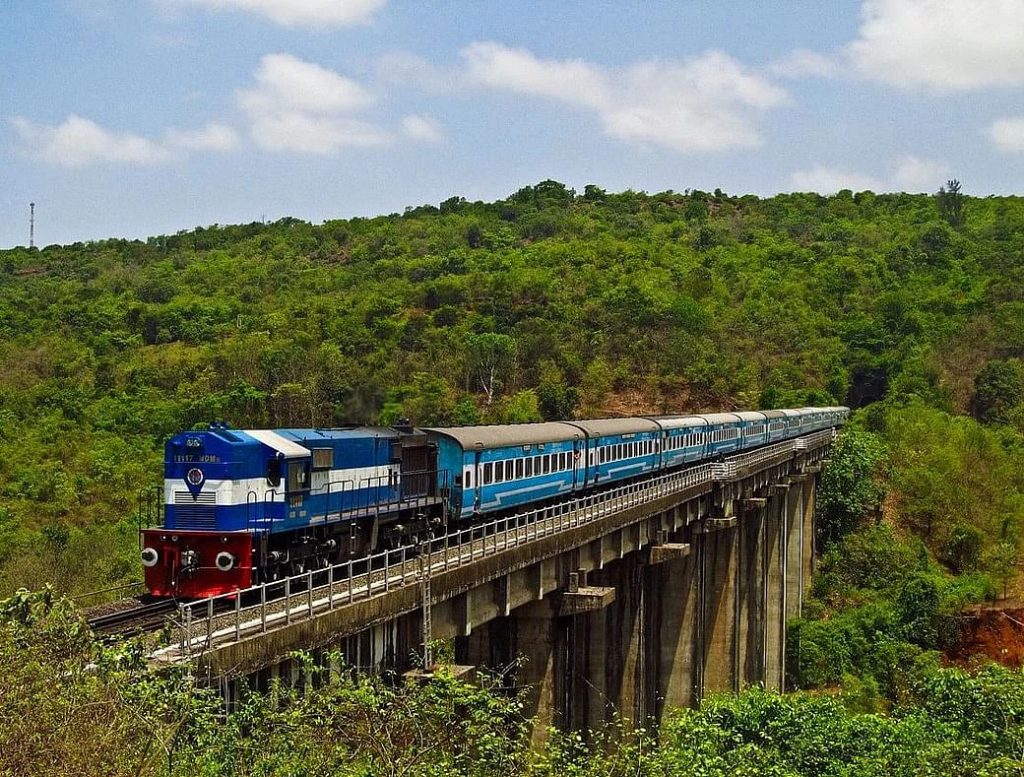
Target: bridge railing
278	603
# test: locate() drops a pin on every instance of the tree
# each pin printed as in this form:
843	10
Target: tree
998	389
491	358
598	380
520	408
950	202
848	488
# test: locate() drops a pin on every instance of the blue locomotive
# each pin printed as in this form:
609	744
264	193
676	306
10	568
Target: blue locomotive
244	506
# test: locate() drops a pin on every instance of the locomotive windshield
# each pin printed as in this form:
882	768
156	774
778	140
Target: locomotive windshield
274	473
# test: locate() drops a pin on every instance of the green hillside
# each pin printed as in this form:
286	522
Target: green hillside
546	304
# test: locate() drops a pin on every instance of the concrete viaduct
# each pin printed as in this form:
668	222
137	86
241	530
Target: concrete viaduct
628	601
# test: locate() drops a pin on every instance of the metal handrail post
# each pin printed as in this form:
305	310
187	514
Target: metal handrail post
287	600
209	621
330	587
309	593
263	606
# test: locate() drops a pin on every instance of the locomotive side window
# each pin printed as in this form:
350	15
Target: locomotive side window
298	478
274	473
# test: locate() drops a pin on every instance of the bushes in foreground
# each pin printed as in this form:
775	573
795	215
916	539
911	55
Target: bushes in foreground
69	706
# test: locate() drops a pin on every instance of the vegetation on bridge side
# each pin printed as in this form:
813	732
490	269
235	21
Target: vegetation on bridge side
918	518
549	303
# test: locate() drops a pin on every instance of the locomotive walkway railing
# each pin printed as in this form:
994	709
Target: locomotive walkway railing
228	617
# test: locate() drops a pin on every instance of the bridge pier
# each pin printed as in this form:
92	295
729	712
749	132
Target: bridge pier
719	561
775	588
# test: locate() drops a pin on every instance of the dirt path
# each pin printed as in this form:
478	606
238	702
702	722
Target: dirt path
995	631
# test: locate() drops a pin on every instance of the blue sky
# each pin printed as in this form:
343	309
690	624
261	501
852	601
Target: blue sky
139	117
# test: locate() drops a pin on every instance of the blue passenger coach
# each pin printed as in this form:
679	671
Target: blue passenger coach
504	466
725	433
684	439
620	448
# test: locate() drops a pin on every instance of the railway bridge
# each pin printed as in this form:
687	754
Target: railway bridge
646	595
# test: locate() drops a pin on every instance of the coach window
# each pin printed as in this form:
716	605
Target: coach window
529	467
488	473
499	471
519	468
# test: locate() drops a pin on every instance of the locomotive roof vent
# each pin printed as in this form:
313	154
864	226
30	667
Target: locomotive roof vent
402	425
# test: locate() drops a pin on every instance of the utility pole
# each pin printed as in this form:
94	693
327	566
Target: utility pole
31	225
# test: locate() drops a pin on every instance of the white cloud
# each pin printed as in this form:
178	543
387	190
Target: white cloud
828	180
300	106
422	128
908	174
402	68
707	103
800	63
287	82
212	137
78	142
941	44
304	13
1008	134
914	174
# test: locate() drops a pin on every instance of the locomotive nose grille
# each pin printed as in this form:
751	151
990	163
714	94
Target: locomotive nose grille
198	513
202	498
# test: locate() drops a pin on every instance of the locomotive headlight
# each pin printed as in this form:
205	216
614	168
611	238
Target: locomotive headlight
149	557
225	561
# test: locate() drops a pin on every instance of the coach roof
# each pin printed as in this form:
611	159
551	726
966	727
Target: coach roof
602	427
508	435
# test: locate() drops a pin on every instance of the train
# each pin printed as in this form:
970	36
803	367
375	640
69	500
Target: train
245	506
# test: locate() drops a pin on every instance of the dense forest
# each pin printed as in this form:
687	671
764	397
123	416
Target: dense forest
548	304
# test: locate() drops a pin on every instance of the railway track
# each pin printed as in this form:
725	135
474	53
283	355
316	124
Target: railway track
144	616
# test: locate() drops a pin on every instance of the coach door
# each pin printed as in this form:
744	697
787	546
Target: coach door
578	464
